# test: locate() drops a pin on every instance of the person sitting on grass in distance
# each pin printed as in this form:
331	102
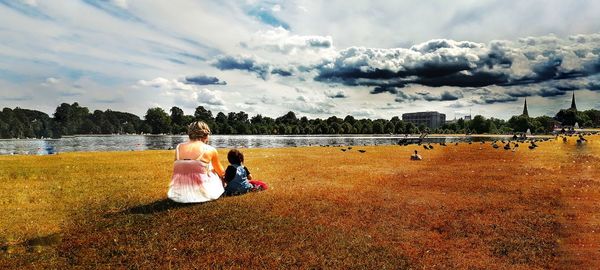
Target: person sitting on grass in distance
238	177
416	156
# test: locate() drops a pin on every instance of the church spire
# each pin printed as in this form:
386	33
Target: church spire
573	106
525	112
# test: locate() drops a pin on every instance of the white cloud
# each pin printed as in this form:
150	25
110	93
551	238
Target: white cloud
281	40
52	80
186	93
336	93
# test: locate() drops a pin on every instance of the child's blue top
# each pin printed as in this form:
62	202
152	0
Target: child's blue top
236	176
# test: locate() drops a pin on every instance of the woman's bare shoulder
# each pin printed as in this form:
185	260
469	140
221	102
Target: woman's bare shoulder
209	148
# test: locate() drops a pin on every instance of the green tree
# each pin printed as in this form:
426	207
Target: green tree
594	117
378	127
410	128
389	128
567	117
158	120
479	125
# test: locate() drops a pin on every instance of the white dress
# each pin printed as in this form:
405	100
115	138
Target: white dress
194	181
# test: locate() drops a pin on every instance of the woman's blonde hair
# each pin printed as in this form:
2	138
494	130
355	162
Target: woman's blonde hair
198	130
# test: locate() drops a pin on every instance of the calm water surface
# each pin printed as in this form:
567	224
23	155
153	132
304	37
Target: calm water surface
154	142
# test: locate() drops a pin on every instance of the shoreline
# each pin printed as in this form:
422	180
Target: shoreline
391	136
127	143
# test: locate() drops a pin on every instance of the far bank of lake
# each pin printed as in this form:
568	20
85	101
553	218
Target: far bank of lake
87	143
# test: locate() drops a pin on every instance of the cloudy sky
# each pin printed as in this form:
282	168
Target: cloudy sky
317	58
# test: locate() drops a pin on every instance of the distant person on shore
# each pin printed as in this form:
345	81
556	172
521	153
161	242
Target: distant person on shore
238	177
197	170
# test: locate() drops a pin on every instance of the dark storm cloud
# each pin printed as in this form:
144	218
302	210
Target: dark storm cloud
551	92
404	97
428	96
282	72
246	63
593	86
447	96
203	80
442	62
492	98
384	89
250	64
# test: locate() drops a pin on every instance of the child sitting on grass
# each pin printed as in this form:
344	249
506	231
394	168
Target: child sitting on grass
238	177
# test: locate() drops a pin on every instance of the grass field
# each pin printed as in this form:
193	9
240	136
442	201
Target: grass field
462	207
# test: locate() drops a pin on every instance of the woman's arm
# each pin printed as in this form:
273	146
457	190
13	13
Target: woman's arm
217	164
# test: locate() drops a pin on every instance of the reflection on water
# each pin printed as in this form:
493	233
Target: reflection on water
153	142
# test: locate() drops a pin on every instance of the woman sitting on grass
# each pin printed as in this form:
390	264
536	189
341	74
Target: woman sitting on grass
238	177
197	171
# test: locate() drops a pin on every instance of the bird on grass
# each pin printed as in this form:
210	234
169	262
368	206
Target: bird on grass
430	147
507	146
343	150
416	156
362	151
495	145
349	147
532	145
426	147
456	144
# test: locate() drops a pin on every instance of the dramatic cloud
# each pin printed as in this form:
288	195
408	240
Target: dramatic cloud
487	96
203	80
250	64
466	64
384	89
594	86
428	96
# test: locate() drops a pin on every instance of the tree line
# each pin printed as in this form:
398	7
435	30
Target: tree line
72	119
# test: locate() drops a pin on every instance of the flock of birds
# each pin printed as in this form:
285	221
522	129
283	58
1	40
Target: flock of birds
512	145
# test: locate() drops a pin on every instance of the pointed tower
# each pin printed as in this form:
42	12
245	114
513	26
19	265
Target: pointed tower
525	112
573	106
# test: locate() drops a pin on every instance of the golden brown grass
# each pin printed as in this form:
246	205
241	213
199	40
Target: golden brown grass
461	207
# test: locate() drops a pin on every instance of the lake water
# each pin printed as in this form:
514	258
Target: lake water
152	142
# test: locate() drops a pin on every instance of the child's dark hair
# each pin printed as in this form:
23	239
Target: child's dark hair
235	156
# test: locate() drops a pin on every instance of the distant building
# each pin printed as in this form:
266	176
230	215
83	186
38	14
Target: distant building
573	106
468	118
431	120
525	112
